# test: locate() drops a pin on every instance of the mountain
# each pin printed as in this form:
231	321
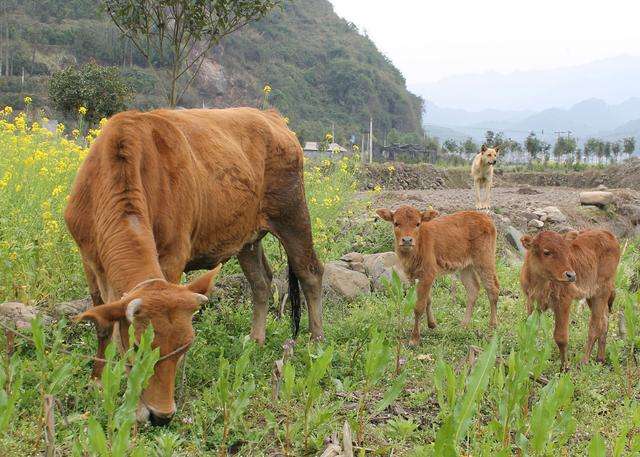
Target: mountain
323	71
591	117
612	80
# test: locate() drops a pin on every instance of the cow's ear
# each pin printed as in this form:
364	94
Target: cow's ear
527	241
385	214
104	315
204	284
483	148
571	235
429	214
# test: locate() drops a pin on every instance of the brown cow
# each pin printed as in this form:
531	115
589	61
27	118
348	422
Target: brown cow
429	246
561	268
165	192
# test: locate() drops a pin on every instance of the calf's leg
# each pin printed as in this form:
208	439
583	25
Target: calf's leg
598	326
561	330
257	271
423	303
472	286
489	279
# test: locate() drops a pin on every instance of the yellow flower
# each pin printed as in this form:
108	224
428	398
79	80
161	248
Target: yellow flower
75	133
328	137
60	128
82	110
103	121
286	120
27	100
57	191
8	110
266	89
13	256
391	168
356	148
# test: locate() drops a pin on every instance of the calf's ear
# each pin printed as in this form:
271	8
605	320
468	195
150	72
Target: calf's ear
385	214
429	214
104	315
204	284
571	235
527	241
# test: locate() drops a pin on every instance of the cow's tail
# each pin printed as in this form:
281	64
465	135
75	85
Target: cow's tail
294	296
612	297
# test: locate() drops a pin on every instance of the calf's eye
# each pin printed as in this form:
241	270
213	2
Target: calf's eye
546	253
418	224
397	224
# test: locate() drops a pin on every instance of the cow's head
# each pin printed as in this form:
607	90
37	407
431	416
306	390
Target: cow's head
169	308
406	222
548	255
489	155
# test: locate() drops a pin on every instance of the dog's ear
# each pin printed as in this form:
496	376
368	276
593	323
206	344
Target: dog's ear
497	149
483	148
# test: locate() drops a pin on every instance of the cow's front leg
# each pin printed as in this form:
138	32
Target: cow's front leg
561	330
423	304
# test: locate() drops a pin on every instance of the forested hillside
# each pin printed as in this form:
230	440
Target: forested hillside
321	69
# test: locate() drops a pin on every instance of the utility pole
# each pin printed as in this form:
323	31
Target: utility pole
371	140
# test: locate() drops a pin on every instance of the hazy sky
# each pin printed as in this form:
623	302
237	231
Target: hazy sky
429	40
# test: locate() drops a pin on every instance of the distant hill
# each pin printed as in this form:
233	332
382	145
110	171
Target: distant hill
323	71
612	80
592	117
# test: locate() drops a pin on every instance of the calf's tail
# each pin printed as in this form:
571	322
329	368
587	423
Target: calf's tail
612	297
294	296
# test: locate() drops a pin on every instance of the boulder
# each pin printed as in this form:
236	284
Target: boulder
513	236
19	314
70	309
596	197
554	214
375	264
528	190
352	257
632	212
535	223
379	282
344	282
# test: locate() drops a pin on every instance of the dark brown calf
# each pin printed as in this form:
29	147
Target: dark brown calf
561	268
429	246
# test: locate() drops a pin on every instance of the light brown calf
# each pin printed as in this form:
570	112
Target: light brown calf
561	268
429	245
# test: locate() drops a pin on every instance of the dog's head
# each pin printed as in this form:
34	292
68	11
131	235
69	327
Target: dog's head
489	155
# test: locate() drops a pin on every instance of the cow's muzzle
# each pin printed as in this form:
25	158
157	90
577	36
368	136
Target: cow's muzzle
570	276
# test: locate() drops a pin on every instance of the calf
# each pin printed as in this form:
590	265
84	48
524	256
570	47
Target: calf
429	246
561	268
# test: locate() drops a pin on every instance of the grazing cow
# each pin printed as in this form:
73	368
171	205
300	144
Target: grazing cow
429	246
164	192
561	268
482	174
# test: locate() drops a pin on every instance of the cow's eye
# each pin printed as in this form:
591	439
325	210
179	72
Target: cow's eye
397	224
546	252
418	224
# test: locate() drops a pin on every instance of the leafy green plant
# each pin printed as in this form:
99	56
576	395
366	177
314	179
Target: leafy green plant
376	362
10	386
114	439
460	410
310	388
401	428
232	394
403	305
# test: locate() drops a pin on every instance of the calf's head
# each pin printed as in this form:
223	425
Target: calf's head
169	308
489	155
548	255
406	221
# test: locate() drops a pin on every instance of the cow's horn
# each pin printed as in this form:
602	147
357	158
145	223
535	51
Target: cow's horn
132	308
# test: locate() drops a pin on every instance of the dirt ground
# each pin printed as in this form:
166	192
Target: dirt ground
515	206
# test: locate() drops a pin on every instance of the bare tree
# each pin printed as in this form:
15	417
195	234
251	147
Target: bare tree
179	33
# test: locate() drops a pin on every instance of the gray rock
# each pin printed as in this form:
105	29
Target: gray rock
535	223
352	257
602	187
72	308
528	190
632	212
19	314
597	198
375	264
554	214
344	282
379	282
513	236
358	266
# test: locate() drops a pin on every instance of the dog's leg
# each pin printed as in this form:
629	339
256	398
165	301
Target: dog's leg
476	186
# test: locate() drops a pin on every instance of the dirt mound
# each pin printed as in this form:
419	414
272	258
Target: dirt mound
399	176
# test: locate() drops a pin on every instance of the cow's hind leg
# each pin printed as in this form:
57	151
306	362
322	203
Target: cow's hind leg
103	332
257	271
489	280
598	326
294	232
472	286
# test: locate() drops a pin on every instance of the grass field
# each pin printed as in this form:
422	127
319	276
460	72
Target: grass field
434	403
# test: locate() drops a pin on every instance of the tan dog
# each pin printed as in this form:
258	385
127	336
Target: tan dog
482	174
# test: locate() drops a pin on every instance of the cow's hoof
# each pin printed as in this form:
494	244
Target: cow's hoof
431	325
258	339
414	341
318	337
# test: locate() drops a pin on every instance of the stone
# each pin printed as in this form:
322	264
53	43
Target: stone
513	236
528	190
379	282
19	314
554	214
375	264
632	212
535	223
596	197
352	257
602	187
344	282
69	309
